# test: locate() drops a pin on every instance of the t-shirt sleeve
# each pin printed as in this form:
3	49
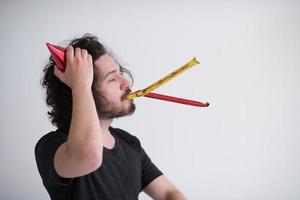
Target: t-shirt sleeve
44	154
149	170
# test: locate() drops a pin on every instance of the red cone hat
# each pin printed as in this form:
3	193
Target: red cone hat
58	55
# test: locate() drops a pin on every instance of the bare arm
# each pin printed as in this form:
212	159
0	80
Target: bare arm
175	195
162	189
82	152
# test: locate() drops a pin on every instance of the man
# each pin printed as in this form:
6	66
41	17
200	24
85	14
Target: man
85	158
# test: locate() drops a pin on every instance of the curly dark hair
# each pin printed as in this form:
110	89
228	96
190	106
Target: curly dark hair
58	94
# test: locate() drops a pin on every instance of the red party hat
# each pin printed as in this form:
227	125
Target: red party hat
58	55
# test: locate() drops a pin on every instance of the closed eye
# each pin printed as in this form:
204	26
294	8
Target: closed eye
113	75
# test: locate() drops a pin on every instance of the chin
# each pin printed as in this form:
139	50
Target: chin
130	108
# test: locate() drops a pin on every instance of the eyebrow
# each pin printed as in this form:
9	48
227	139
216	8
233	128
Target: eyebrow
109	73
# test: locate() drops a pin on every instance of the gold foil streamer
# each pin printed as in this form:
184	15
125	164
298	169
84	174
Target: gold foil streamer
165	79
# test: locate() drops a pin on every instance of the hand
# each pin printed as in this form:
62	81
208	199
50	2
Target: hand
79	69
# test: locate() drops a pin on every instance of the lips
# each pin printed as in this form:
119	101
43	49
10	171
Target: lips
127	92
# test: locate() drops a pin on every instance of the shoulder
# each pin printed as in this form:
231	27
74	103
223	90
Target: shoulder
52	138
127	137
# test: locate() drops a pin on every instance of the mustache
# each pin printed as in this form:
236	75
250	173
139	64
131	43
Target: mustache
127	92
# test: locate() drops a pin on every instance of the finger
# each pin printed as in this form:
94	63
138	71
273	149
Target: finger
69	54
84	53
90	59
77	52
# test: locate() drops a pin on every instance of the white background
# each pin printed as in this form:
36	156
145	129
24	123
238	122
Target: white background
244	146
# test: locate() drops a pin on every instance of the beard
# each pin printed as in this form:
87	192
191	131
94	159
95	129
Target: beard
108	111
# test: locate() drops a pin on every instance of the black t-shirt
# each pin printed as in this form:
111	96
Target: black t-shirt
125	170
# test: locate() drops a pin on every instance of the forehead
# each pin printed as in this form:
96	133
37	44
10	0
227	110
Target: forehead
105	64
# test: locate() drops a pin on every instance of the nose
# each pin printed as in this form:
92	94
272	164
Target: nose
125	84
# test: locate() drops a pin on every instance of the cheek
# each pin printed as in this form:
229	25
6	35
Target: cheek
110	92
112	95
103	89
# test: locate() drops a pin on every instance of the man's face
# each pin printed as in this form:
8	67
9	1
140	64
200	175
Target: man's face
113	88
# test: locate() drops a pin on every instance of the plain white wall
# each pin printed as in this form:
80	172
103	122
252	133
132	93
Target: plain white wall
245	145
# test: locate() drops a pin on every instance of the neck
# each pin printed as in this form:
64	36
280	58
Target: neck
105	124
108	139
